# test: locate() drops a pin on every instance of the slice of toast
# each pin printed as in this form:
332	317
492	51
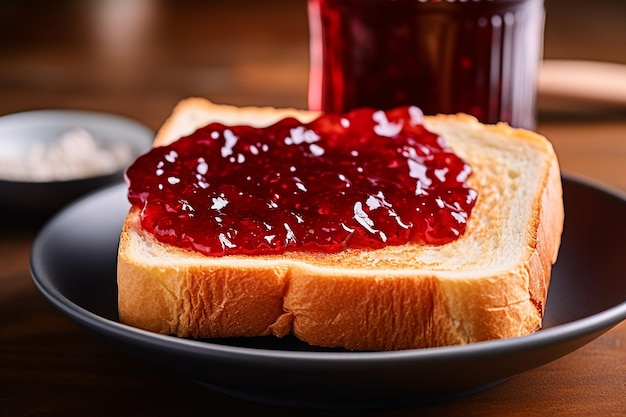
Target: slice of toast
490	283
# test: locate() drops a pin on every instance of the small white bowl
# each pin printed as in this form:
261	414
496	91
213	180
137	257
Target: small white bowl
23	133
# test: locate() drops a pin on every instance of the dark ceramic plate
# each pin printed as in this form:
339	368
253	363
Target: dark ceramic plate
73	264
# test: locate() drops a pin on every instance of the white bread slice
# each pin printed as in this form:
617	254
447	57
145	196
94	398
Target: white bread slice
490	283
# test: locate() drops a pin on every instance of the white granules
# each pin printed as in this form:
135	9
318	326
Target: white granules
75	154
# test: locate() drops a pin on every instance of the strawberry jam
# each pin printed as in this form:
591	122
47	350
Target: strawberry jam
366	179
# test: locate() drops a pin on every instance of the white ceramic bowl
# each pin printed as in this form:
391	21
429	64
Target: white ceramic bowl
20	133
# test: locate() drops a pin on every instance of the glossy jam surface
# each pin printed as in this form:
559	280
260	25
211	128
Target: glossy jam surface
362	180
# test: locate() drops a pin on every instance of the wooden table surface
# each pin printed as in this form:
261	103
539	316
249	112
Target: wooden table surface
137	58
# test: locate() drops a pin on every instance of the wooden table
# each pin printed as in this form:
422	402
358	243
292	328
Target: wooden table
137	58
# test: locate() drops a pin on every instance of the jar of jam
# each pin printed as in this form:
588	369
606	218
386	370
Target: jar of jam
445	56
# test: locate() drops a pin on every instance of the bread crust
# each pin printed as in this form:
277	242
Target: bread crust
411	296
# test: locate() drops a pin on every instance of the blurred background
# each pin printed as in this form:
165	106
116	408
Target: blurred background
137	57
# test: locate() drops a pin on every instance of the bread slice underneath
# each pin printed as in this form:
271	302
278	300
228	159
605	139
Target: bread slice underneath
491	283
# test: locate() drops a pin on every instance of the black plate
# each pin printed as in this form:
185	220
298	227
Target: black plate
73	263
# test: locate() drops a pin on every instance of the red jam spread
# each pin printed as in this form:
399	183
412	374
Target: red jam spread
366	179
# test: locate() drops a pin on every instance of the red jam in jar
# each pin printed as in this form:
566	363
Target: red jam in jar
366	179
446	56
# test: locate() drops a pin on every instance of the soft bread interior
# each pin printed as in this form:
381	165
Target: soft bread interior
490	283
